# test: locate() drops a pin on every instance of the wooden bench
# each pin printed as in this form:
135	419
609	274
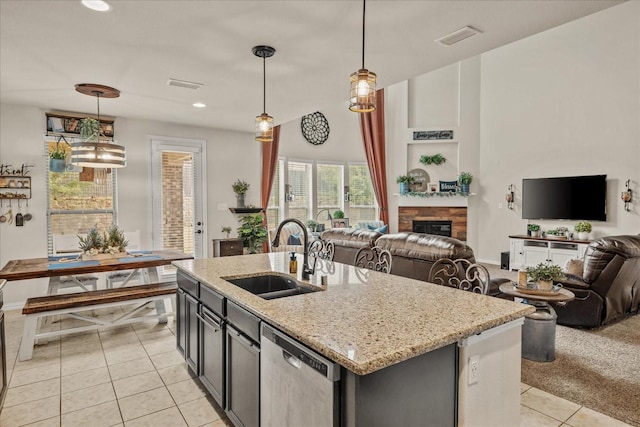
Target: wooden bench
72	304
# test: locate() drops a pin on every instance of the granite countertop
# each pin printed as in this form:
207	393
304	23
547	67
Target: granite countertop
363	320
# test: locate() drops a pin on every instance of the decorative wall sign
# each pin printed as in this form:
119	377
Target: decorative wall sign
315	128
448	186
432	134
420	180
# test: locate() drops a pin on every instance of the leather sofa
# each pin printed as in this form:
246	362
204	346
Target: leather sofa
347	242
609	287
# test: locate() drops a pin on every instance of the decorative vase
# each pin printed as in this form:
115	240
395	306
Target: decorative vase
583	235
464	188
57	165
240	198
404	188
545	285
535	233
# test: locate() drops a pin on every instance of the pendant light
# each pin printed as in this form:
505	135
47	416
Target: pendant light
101	152
363	82
264	122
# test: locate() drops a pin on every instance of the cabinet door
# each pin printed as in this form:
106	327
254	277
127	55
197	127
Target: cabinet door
212	354
534	255
181	321
516	254
243	379
561	256
191	344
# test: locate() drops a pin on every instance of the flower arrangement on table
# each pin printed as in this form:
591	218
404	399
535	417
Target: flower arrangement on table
111	242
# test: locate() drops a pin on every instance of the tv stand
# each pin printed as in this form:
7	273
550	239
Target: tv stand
527	251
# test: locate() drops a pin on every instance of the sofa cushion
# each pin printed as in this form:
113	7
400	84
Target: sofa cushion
351	237
426	247
384	229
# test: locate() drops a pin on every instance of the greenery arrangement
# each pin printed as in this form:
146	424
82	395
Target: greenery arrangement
465	178
338	214
240	187
58	153
407	179
533	227
545	272
583	227
111	242
436	159
89	129
553	232
253	232
226	230
311	225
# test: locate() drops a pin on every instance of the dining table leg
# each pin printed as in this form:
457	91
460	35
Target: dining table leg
150	275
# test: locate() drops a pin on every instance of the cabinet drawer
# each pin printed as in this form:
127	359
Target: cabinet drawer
188	284
212	300
246	322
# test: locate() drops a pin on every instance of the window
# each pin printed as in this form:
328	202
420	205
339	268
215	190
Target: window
79	199
362	200
302	191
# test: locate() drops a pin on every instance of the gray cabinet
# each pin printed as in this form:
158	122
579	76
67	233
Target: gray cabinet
243	367
212	349
187	320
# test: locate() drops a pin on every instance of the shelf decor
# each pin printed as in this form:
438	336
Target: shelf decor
437	194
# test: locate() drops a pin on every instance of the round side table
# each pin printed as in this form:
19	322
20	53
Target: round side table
539	329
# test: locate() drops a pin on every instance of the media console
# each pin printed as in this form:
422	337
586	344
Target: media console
527	251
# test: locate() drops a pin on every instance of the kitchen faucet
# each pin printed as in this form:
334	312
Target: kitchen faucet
306	271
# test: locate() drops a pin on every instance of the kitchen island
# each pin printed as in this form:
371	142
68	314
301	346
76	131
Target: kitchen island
374	325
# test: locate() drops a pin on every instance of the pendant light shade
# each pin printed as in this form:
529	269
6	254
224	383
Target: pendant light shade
98	151
362	98
264	122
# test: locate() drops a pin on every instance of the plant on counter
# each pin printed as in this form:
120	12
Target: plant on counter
545	272
226	230
533	230
583	227
253	232
552	232
338	214
436	159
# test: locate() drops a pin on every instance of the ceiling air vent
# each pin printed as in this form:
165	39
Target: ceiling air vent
183	83
458	36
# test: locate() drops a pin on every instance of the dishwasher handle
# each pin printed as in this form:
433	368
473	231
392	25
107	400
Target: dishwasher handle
291	359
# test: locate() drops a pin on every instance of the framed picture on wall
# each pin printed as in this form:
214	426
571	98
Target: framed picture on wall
340	223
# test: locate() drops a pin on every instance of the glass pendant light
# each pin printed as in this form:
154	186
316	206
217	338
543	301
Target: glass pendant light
264	122
363	82
98	152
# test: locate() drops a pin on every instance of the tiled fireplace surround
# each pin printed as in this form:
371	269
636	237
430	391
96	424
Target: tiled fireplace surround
457	215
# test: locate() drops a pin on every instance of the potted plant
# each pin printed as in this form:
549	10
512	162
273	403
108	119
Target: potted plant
338	214
114	241
533	230
240	188
58	159
464	179
544	274
312	225
226	230
583	228
253	232
404	181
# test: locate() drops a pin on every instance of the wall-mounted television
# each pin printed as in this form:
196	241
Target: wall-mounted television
570	197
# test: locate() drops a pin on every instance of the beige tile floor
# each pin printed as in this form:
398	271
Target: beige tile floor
133	376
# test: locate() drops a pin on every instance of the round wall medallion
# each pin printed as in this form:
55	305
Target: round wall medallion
315	128
420	180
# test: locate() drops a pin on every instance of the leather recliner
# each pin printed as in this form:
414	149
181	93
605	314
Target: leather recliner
609	287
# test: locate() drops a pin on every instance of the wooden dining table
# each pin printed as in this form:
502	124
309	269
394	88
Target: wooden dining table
70	265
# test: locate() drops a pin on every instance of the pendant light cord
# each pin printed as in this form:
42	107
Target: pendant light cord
364	6
264	84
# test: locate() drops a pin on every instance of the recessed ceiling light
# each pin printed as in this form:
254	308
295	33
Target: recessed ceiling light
98	5
199	105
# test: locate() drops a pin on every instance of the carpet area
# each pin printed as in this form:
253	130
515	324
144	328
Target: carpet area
596	368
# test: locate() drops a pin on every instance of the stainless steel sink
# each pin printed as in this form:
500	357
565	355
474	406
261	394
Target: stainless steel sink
270	286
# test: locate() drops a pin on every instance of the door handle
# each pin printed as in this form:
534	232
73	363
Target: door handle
199	231
199	223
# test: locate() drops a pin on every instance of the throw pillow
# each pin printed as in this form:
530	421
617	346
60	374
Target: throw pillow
384	229
574	266
294	240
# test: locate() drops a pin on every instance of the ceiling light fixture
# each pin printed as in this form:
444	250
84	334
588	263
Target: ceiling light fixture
97	5
363	82
264	122
98	151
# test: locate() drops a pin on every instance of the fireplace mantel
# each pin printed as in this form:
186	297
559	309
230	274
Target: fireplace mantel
456	200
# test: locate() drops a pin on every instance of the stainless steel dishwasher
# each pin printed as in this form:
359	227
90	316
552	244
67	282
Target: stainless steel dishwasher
298	387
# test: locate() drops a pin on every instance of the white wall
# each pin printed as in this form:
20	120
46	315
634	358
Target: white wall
563	102
230	155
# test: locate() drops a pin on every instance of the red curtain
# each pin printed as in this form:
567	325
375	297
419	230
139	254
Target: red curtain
372	127
269	163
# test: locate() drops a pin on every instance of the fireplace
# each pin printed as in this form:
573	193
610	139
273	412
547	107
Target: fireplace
454	215
441	228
